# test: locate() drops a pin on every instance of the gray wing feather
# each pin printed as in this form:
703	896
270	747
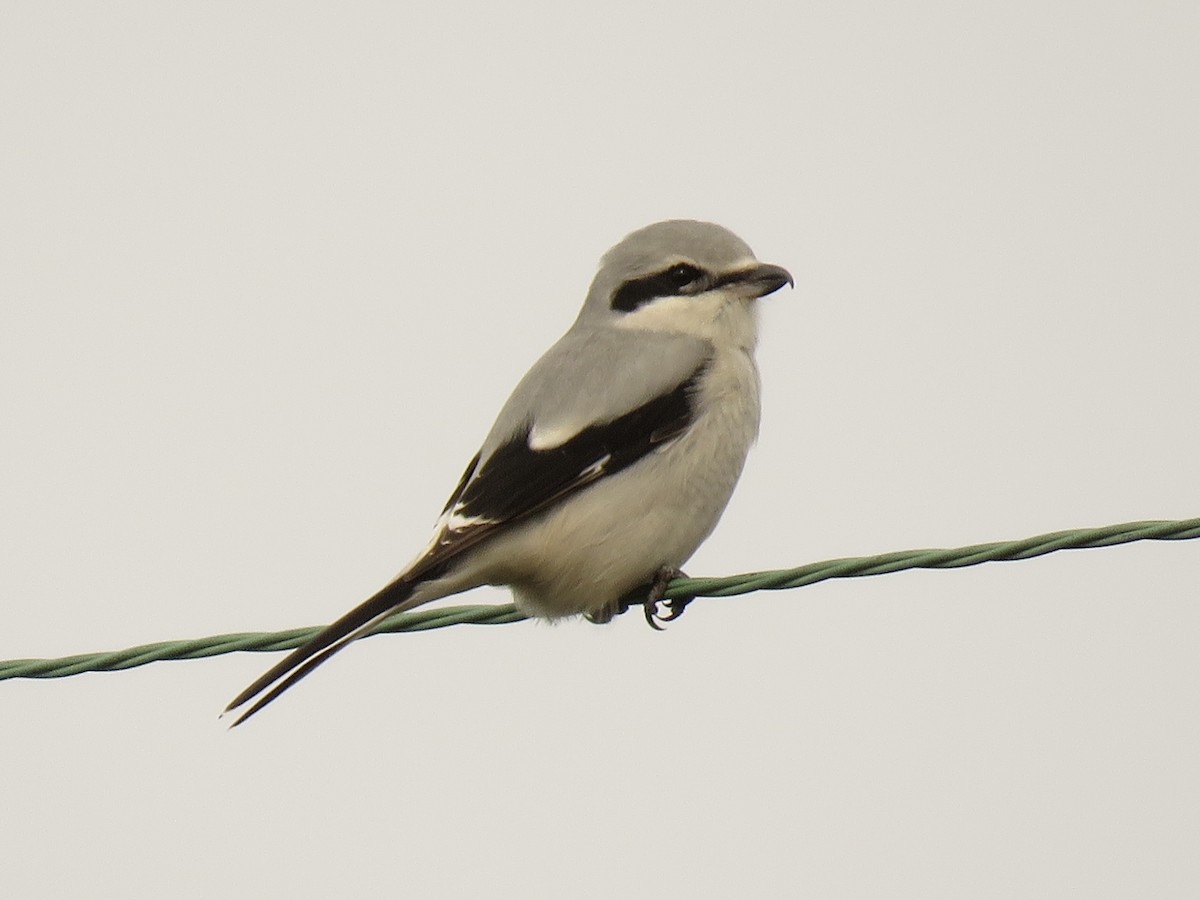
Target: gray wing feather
595	375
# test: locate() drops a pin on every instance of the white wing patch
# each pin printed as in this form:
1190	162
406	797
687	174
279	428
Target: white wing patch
596	468
456	521
547	438
451	522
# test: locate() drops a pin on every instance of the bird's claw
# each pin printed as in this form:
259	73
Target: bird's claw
675	607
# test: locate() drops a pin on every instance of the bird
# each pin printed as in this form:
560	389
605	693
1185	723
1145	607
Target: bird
612	460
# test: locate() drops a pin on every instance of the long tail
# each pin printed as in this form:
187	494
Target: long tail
396	596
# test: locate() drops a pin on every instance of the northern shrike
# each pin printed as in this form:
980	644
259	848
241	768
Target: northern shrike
613	458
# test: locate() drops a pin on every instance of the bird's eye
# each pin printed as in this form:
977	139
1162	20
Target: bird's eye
679	280
682	275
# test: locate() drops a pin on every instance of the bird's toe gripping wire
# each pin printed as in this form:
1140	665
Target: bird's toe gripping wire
658	589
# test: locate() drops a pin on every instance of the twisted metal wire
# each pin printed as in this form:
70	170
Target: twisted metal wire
679	589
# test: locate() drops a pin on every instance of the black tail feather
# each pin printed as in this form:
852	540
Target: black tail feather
322	646
296	674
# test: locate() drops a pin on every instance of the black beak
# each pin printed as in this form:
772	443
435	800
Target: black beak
761	279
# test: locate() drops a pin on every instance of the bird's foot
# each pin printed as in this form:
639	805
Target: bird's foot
675	607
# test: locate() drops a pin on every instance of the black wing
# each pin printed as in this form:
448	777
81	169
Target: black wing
518	481
514	483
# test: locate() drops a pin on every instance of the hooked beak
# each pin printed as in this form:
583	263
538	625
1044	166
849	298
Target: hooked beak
759	280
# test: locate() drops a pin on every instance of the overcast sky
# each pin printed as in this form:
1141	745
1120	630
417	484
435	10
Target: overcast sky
267	272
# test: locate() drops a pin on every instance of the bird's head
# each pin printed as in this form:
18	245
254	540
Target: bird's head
682	276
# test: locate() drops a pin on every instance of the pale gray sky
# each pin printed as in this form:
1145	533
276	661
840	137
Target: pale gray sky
268	271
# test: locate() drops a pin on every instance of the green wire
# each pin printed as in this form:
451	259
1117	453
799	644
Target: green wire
778	579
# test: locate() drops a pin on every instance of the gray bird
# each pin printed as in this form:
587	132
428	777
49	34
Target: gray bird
614	457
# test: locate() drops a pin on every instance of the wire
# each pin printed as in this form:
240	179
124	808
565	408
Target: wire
679	589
